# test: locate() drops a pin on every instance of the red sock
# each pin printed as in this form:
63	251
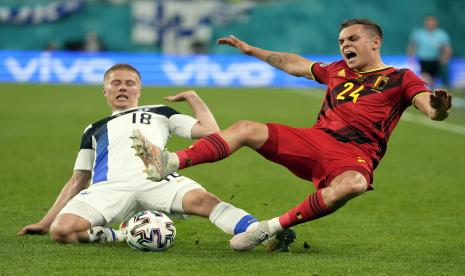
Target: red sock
208	149
311	208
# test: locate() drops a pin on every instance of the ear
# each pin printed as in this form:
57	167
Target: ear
104	92
377	42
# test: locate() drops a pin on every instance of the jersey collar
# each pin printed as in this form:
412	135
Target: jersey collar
122	110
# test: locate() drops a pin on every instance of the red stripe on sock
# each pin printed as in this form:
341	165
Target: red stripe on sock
217	145
208	149
311	208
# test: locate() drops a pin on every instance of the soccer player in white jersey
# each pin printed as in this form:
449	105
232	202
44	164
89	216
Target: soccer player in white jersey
118	187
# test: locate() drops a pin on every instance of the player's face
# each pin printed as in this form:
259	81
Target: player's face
359	47
122	89
431	23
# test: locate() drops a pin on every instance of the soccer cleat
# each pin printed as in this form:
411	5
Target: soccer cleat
280	242
155	159
251	238
106	234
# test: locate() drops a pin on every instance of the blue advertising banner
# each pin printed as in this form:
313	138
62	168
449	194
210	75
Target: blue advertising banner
169	70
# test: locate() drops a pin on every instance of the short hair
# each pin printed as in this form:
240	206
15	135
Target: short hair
368	24
121	66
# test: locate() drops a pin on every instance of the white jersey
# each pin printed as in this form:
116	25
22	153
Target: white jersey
106	147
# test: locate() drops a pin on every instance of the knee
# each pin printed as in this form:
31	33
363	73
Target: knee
354	188
244	127
348	188
249	133
60	232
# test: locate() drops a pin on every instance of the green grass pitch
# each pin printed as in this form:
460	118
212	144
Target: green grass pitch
412	223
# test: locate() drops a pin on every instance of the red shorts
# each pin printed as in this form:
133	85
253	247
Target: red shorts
314	155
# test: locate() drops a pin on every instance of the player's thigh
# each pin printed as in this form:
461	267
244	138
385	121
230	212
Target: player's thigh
113	201
297	149
167	195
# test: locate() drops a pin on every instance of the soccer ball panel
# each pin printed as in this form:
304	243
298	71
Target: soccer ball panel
150	231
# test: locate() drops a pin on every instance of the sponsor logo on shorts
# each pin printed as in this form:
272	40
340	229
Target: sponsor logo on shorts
85	193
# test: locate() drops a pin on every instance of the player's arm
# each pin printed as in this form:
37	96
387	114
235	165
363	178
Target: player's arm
78	182
206	122
290	63
435	105
412	46
446	53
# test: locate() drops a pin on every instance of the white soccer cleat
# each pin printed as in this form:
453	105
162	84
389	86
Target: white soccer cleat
251	238
155	159
107	234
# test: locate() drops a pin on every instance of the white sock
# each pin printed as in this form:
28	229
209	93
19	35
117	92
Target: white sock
104	234
274	226
231	219
173	162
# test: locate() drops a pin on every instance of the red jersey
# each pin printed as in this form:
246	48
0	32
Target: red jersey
364	108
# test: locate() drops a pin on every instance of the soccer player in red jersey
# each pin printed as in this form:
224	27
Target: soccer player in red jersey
364	101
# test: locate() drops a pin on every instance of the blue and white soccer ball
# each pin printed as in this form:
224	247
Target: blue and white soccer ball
150	231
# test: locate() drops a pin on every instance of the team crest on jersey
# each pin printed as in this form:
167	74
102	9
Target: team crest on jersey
342	73
380	83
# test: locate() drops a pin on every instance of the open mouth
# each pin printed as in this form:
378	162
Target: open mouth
122	97
350	55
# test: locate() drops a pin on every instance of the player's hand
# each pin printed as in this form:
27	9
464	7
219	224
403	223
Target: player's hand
183	96
235	42
441	100
33	229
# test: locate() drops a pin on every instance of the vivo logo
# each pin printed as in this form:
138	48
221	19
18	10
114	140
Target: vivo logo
202	71
46	68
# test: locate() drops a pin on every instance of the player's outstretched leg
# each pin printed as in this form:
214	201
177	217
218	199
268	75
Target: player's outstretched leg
323	202
158	164
208	149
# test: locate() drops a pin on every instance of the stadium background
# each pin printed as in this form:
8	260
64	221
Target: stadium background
51	67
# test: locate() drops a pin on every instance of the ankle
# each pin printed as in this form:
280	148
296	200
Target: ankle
274	225
173	162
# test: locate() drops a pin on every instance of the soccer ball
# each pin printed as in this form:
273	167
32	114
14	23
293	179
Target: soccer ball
150	231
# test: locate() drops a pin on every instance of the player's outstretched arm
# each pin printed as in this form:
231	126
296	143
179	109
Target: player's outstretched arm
290	63
435	105
78	181
206	121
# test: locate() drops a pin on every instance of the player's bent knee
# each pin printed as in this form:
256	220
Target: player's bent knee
245	127
250	133
348	185
60	232
65	227
356	188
